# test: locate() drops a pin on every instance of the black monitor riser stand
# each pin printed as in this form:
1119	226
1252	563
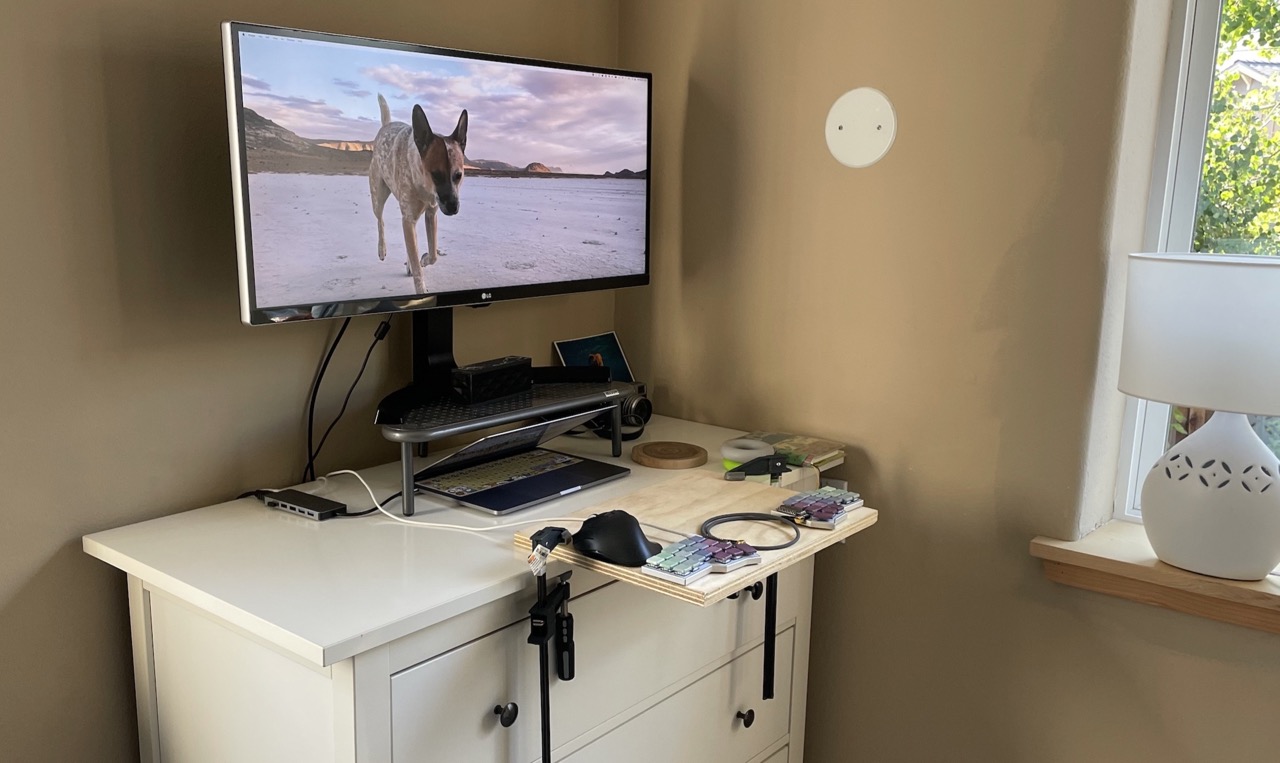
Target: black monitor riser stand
425	410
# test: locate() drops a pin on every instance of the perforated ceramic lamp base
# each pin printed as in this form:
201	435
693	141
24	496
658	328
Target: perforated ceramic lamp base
1211	503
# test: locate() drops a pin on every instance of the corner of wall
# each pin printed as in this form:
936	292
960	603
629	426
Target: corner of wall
1132	165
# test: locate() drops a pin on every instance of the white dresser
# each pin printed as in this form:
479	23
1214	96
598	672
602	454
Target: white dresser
261	636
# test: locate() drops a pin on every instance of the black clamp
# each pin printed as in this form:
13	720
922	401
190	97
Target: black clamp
770	632
775	466
551	607
549	619
756	590
541	545
545	611
550	537
769	589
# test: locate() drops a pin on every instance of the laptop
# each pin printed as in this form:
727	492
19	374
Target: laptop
511	470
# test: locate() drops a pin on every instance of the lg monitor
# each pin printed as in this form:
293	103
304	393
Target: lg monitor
373	176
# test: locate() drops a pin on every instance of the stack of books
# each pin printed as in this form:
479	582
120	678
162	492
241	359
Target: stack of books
801	450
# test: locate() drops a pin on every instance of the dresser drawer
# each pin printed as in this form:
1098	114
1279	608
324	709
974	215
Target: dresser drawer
631	643
700	722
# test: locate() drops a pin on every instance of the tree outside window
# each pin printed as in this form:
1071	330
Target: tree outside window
1238	211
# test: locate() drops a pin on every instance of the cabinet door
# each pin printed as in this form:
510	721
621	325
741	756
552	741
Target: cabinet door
631	643
778	757
700	722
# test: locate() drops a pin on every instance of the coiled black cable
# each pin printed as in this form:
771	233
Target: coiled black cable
750	517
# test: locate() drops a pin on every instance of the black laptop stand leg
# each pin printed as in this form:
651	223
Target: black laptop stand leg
406	464
617	431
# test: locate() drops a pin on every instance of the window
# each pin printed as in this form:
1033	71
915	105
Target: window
1219	190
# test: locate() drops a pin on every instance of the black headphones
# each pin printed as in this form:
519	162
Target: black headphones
636	412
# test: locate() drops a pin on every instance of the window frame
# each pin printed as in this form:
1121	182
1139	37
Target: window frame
1185	99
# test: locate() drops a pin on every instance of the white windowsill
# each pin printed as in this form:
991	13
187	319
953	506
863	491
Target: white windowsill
1116	559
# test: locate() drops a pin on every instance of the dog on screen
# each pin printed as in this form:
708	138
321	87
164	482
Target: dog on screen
424	171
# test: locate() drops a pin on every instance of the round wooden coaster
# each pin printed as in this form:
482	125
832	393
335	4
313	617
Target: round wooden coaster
668	455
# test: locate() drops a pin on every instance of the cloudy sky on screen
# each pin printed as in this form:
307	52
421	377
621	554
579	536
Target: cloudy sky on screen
577	121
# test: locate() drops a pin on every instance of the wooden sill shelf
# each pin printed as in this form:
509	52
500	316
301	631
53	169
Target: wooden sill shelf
1117	559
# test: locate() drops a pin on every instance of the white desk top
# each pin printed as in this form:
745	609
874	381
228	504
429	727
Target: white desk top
326	591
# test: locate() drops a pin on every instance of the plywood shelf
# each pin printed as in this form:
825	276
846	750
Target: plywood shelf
1117	560
680	506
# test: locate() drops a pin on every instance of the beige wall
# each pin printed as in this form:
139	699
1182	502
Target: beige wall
128	388
940	312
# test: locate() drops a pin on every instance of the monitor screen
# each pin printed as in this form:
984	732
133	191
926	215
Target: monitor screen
373	176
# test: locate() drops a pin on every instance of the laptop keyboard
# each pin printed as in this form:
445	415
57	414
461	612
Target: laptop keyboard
503	471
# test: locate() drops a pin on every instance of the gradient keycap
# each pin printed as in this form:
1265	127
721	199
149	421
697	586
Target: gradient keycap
688	560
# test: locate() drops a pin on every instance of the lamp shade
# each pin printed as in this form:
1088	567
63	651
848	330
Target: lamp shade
1203	330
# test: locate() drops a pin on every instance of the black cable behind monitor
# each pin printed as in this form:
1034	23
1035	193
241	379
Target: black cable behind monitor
379	334
309	471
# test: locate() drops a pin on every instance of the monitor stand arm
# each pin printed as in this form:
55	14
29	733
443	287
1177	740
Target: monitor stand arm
433	364
433	361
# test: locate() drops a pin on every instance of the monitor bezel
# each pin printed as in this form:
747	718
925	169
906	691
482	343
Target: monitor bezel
252	314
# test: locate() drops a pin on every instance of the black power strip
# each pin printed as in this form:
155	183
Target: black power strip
304	504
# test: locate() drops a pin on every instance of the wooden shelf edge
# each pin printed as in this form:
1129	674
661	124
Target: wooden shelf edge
1201	605
1117	560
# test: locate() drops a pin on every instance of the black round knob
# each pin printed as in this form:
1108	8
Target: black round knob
507	714
748	717
757	590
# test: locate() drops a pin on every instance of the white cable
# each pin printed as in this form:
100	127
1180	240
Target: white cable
668	530
458	528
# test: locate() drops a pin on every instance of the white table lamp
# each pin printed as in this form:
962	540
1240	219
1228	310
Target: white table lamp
1203	330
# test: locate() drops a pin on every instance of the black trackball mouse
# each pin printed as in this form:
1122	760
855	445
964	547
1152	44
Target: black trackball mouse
614	537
